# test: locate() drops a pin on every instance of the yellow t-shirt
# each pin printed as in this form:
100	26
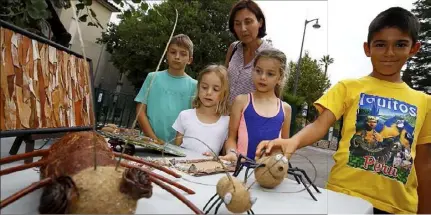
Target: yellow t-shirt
382	124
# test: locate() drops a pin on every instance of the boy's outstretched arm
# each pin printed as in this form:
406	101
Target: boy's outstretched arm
305	137
316	130
144	123
331	107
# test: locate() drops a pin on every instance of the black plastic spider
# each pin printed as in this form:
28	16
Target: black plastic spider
244	161
249	163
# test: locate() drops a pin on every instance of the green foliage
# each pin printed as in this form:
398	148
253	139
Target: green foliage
312	82
293	100
296	104
138	41
326	60
417	73
33	15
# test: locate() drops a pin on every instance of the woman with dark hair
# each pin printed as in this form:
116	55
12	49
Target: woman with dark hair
247	24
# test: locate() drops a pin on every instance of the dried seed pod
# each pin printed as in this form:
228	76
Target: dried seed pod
136	183
56	197
272	172
235	195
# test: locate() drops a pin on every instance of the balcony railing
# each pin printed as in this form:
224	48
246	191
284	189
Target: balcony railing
114	108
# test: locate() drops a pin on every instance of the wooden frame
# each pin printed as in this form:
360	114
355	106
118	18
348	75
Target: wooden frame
45	88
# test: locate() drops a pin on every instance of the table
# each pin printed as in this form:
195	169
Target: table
275	201
329	202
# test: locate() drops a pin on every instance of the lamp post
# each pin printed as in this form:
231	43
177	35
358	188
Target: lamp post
316	25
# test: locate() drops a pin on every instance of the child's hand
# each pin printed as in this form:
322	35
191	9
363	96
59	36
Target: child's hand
208	154
159	141
229	157
288	146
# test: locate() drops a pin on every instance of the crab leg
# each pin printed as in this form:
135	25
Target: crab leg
25	191
23	156
162	168
21	167
178	195
159	177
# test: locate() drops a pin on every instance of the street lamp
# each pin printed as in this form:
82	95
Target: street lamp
316	26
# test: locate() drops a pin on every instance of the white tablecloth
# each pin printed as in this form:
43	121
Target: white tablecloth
162	202
284	199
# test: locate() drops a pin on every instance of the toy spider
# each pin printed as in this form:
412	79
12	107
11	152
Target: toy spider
249	163
244	161
229	199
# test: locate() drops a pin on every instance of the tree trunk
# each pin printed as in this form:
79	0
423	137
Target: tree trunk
326	69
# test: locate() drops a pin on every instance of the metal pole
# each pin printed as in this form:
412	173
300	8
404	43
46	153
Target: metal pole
295	87
98	60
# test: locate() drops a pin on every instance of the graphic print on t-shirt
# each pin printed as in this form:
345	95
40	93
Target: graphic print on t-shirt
383	138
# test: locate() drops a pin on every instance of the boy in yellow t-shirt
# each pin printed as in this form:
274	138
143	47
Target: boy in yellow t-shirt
384	155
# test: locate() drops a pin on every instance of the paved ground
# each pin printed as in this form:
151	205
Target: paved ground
321	158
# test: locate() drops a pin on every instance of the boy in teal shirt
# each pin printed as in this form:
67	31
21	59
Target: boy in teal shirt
171	91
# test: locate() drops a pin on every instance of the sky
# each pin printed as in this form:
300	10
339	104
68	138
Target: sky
344	28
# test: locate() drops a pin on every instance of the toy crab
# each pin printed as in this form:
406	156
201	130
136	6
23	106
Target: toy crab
79	174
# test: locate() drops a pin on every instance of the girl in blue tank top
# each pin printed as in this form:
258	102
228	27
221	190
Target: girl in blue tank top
260	115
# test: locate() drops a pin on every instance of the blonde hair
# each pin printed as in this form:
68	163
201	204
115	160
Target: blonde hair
275	54
184	41
221	72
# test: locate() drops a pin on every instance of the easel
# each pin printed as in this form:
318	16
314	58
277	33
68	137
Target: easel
29	136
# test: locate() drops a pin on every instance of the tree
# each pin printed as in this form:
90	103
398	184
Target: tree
138	41
326	60
417	73
39	16
312	82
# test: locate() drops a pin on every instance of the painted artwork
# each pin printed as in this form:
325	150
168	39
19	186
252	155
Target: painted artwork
384	136
41	86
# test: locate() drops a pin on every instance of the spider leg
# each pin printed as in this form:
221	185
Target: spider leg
209	201
22	167
218	206
34	186
159	177
189	204
246	174
296	177
215	202
37	153
308	179
162	168
303	183
238	167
